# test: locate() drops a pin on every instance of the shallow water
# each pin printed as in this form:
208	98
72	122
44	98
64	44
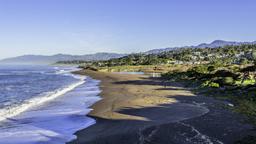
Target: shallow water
51	116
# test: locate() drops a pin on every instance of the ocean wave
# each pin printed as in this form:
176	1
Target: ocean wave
11	111
54	122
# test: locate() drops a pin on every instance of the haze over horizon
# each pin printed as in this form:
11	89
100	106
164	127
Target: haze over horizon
78	27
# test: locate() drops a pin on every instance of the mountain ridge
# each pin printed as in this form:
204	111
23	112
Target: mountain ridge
44	59
213	44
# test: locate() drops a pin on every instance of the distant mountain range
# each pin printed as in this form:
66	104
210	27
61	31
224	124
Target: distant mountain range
40	59
214	44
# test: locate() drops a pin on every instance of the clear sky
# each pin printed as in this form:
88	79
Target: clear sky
88	26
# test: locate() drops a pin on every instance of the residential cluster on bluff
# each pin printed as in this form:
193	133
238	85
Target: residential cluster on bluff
229	54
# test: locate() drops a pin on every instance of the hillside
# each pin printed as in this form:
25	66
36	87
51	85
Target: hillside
231	54
40	59
214	44
162	52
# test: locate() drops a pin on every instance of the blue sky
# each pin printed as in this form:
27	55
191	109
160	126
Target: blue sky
88	26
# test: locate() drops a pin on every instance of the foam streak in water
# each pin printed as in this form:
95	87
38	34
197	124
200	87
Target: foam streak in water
15	110
56	121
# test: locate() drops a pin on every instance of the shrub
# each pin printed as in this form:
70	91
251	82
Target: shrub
90	68
225	73
210	84
249	69
211	68
228	81
200	69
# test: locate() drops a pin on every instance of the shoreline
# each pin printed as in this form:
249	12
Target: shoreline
53	118
139	109
41	98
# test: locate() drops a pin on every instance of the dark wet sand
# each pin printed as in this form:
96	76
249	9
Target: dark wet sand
136	109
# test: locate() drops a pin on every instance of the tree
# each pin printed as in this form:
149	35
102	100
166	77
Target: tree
254	56
228	80
211	69
247	71
243	61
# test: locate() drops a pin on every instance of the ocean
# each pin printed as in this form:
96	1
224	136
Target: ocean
44	104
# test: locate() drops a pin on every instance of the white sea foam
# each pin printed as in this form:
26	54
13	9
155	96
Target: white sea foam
61	72
55	121
15	110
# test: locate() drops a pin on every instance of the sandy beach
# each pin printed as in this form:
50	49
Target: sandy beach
137	109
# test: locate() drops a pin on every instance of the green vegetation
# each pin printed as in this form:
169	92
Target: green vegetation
243	54
210	84
227	82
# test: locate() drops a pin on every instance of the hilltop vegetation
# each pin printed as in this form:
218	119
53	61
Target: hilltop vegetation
241	54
